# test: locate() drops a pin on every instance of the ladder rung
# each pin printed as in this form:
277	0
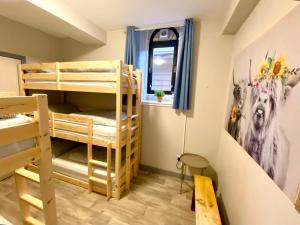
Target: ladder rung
133	150
33	221
98	180
133	139
33	201
133	161
133	128
28	174
134	116
98	163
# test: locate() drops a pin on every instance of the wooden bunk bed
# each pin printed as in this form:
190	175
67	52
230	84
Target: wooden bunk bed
24	140
111	77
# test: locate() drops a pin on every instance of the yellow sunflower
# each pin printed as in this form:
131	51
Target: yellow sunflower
233	114
263	68
277	67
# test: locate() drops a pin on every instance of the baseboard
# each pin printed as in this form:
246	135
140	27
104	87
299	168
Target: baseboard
164	172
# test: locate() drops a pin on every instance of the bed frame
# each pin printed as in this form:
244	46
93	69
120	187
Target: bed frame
39	130
125	81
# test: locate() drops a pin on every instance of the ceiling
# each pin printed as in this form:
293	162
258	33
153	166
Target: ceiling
117	14
54	18
88	20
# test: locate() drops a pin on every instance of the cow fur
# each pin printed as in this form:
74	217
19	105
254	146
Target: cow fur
264	140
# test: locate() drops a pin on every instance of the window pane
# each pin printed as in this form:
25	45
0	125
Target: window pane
162	68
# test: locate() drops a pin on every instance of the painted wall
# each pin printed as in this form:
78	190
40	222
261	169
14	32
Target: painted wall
163	127
23	40
114	48
249	195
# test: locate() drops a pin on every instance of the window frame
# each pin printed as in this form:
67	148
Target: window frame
160	44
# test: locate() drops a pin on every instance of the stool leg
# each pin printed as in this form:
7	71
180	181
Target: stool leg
182	177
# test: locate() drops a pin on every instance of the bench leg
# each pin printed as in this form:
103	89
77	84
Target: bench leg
193	201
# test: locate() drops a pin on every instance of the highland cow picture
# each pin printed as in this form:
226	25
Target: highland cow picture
263	113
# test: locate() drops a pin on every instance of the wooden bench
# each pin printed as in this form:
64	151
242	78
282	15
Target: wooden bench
207	212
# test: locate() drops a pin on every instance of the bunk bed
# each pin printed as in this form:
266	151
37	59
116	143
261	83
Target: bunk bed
122	134
24	140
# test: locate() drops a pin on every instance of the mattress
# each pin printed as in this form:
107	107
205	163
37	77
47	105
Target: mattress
21	145
62	108
74	163
61	146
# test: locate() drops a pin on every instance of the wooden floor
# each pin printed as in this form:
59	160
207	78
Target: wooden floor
153	200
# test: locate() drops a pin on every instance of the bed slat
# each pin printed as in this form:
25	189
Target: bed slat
12	134
90	64
64	76
69	127
38	66
39	76
12	162
17	105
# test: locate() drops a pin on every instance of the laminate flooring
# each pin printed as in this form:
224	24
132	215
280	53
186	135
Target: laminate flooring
154	199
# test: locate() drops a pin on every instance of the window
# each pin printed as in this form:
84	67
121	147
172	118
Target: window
163	51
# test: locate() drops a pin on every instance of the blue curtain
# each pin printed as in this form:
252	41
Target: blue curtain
132	46
182	91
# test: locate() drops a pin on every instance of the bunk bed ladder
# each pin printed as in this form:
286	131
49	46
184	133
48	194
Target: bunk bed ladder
92	163
27	200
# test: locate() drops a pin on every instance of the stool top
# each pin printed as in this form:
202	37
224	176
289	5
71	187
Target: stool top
194	160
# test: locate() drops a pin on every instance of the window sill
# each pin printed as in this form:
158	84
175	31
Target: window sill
159	104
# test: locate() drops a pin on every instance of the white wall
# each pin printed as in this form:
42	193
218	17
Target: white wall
163	127
23	40
249	195
114	48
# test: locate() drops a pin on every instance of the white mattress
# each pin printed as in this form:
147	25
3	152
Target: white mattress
18	120
74	163
19	146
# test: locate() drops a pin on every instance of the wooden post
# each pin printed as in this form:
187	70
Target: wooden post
57	71
119	92
21	81
129	125
109	171
45	163
139	121
90	153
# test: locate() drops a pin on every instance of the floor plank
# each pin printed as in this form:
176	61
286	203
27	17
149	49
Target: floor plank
154	199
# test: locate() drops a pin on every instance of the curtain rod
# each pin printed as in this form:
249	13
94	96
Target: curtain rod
159	26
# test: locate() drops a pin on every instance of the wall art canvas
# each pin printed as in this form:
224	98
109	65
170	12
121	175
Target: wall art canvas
263	113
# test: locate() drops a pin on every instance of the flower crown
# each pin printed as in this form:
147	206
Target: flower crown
275	68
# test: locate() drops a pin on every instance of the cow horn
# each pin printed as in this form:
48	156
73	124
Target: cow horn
233	78
266	57
250	80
